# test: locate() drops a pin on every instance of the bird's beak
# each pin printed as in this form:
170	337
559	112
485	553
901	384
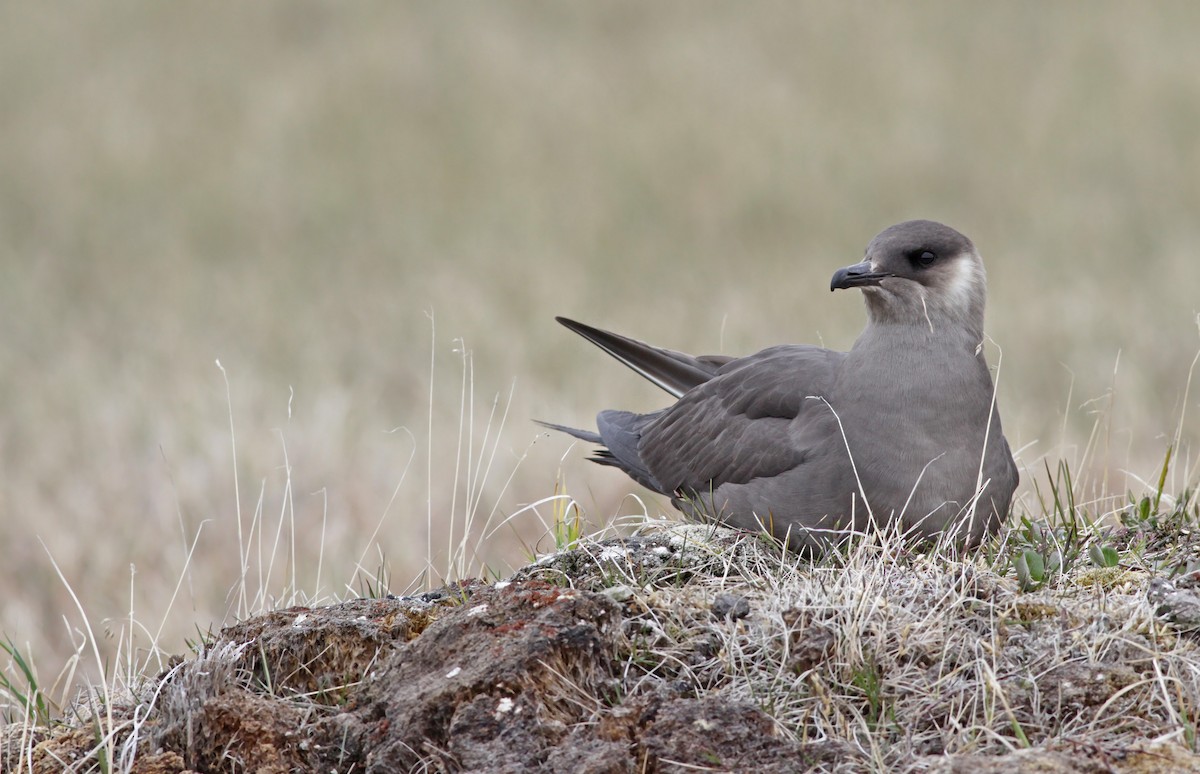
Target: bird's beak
860	275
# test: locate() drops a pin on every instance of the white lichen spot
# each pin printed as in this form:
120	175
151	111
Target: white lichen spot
503	584
703	725
505	706
612	554
661	551
453	672
300	619
619	593
477	610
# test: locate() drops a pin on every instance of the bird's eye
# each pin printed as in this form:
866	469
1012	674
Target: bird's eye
925	258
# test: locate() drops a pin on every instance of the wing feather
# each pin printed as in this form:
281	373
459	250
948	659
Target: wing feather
675	372
739	425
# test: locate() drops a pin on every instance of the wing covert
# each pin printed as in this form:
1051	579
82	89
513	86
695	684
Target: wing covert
740	425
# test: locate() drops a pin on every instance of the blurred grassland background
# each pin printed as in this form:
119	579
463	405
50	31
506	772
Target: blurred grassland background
297	188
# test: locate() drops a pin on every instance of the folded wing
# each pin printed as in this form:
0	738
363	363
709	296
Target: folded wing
746	423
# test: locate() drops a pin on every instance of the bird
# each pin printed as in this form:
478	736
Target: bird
815	445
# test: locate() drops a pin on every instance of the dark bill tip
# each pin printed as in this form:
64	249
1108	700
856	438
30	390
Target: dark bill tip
857	276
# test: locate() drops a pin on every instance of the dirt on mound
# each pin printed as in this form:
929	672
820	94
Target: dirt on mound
619	658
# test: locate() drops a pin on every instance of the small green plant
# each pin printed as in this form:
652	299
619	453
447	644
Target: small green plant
1163	528
375	586
102	760
1157	531
568	526
1144	512
29	697
1050	546
1103	555
867	679
1036	566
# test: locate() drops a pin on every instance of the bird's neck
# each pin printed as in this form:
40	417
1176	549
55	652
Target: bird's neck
902	316
908	338
910	366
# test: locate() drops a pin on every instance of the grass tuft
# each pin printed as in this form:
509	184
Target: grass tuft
23	688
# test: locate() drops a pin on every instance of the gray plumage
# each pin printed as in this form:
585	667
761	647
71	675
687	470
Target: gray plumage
810	443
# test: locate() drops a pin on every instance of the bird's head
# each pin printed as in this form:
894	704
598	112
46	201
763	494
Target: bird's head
920	273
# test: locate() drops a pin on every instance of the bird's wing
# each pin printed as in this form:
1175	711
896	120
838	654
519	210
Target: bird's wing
675	372
740	425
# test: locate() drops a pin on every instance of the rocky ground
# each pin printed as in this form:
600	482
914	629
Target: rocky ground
687	649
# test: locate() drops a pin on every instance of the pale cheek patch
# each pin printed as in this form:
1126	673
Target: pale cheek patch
961	287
